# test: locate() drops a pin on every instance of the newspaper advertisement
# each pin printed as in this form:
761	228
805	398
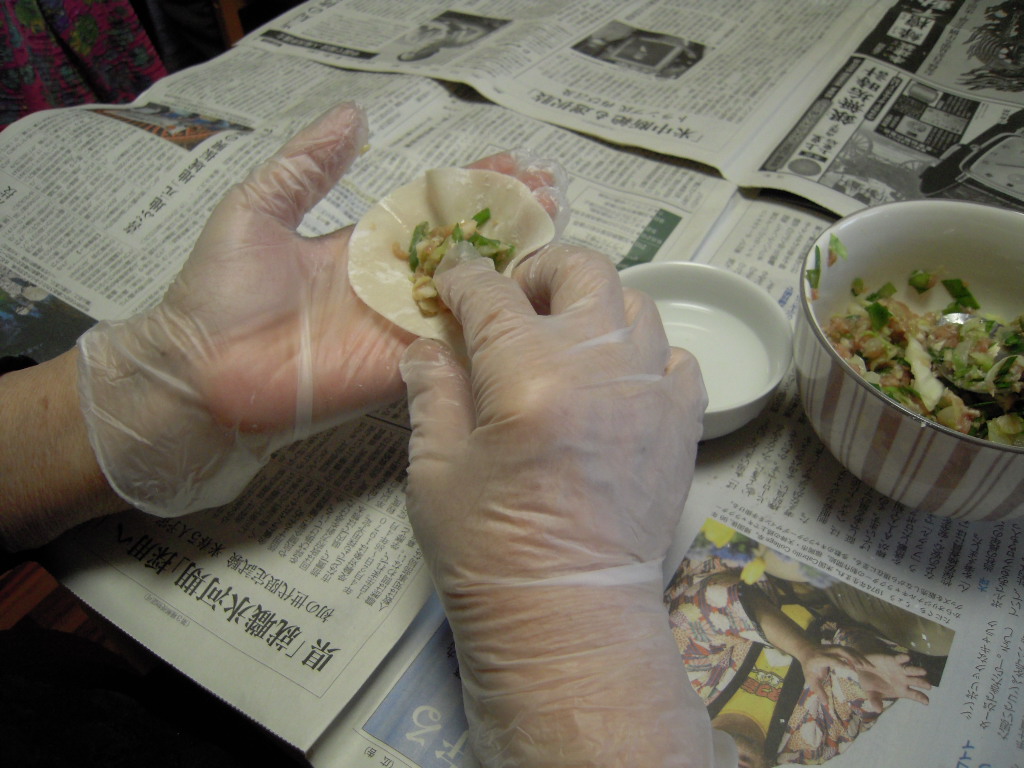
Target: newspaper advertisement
931	104
865	103
297	590
771	512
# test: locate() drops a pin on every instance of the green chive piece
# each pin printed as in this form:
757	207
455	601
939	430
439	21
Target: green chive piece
920	280
962	296
879	315
884	292
814	275
836	247
418	234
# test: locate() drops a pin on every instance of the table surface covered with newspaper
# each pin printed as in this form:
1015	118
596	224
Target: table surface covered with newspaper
669	118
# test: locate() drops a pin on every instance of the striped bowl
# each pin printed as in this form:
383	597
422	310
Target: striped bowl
913	460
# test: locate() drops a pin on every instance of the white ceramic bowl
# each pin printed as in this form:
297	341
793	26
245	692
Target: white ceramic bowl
907	457
738	333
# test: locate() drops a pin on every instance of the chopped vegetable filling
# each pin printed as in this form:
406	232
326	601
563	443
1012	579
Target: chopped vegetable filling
956	367
428	246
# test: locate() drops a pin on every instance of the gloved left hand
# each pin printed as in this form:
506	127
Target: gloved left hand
258	342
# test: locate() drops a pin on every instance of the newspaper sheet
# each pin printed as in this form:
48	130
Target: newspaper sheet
282	602
296	591
693	79
846	104
770	501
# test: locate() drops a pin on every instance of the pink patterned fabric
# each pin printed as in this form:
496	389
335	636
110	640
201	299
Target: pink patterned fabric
57	53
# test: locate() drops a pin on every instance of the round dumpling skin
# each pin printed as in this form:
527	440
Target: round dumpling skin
440	197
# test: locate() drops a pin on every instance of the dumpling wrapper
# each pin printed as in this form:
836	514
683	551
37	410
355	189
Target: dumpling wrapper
440	197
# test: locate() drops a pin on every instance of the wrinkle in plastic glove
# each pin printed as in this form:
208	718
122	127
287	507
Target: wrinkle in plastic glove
545	484
259	341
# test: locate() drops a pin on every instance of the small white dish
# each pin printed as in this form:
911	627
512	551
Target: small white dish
738	333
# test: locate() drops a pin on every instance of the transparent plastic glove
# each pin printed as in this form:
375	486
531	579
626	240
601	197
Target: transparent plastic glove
260	340
545	484
544	176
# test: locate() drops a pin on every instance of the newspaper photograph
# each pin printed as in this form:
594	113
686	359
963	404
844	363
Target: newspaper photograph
34	322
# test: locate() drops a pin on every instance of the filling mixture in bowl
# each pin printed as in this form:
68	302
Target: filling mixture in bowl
956	366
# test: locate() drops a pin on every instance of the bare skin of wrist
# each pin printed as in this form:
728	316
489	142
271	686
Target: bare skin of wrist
572	662
51	481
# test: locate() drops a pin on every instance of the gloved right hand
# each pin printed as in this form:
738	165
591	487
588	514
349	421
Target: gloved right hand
545	484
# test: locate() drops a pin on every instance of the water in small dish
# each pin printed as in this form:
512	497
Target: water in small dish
732	359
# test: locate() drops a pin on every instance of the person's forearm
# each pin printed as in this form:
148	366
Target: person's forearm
588	676
49	478
779	630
